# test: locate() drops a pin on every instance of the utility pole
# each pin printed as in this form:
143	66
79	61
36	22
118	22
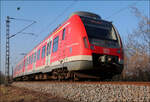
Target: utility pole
7	60
7	51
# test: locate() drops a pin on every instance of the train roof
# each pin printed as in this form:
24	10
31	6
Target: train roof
86	14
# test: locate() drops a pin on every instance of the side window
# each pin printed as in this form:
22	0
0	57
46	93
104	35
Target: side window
55	44
38	54
31	58
63	35
85	42
22	64
49	48
19	66
35	57
43	51
27	62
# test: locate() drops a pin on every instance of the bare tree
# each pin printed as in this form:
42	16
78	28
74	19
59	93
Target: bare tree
138	45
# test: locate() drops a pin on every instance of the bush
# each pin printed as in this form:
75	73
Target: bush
2	78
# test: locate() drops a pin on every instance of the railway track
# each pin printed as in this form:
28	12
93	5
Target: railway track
91	82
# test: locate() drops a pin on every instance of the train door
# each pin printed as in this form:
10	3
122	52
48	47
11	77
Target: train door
63	46
43	54
34	60
48	52
23	65
26	64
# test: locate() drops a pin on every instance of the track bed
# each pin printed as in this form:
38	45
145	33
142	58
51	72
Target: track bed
92	91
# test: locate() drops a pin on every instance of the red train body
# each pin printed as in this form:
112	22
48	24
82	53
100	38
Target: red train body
83	44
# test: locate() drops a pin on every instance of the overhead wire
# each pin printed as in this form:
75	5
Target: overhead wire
122	9
27	20
22	30
61	14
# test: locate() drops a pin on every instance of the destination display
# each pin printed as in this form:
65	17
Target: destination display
96	23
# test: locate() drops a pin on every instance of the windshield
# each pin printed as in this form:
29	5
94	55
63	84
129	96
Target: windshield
99	29
100	32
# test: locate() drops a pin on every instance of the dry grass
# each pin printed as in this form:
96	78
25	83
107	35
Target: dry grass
15	94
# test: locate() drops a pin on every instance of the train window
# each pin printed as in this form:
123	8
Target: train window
31	58
35	57
38	54
85	42
49	48
43	51
22	64
19	66
113	35
27	62
63	35
55	44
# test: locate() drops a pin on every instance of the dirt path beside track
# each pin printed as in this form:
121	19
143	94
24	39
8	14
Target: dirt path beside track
16	94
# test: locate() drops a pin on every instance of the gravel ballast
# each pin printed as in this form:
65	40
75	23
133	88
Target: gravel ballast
91	92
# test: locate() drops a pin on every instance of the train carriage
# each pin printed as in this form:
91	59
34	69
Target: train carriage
84	46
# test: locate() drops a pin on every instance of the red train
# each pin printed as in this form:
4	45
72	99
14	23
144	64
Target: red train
84	46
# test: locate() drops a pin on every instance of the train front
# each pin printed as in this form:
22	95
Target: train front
105	45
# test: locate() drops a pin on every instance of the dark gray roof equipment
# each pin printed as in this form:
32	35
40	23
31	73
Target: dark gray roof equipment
86	14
